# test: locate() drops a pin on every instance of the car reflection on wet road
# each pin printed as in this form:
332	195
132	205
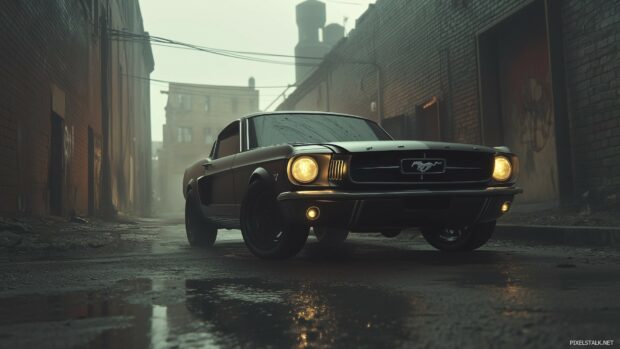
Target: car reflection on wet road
373	292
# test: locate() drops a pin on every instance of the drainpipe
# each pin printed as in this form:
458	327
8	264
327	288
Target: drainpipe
379	93
106	207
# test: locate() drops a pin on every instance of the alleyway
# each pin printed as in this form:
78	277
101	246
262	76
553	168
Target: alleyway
375	292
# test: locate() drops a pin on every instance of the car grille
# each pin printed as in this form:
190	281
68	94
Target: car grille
385	167
337	170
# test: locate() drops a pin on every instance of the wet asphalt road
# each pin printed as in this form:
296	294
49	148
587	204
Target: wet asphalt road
374	292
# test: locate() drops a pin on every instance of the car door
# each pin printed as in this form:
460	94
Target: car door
217	185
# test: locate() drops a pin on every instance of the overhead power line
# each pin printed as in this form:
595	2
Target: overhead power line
191	83
121	35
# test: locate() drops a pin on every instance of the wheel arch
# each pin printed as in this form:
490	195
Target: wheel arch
191	185
262	174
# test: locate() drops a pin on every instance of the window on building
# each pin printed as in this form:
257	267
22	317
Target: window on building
209	138
235	104
185	102
184	135
207	103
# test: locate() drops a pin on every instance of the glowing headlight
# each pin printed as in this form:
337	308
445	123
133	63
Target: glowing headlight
304	169
502	171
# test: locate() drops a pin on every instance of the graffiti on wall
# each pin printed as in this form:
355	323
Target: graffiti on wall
536	117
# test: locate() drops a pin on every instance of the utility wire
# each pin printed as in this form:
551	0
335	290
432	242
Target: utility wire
158	38
244	55
278	97
191	83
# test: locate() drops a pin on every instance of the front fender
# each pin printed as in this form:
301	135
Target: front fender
261	174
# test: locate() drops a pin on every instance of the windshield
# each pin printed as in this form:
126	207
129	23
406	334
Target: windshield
271	129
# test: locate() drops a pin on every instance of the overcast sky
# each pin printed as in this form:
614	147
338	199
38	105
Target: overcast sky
243	25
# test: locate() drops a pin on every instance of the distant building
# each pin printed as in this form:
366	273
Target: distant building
156	147
310	23
538	76
75	132
195	114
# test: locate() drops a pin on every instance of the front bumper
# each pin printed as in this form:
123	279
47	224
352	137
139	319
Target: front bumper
372	211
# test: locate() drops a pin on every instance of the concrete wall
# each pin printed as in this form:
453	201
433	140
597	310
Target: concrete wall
51	62
429	48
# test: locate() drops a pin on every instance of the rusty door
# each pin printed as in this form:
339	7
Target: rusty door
526	104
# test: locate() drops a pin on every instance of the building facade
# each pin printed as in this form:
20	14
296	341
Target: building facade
540	76
75	108
195	114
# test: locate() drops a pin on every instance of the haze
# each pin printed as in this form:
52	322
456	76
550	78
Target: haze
246	25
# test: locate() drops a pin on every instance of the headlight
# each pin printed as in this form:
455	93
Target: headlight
304	169
502	170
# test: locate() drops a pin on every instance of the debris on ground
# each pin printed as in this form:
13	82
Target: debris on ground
22	234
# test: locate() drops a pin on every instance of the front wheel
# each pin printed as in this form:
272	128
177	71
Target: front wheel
463	238
264	232
199	232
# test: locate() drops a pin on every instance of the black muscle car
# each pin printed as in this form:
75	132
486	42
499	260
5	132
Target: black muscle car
277	175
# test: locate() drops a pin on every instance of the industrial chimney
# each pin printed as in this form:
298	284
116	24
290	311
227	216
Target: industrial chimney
310	19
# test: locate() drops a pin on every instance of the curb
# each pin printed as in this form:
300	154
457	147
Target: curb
584	236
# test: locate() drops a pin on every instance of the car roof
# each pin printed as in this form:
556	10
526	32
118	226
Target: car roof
281	112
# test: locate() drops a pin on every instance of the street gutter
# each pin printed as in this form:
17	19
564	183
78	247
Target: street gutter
583	236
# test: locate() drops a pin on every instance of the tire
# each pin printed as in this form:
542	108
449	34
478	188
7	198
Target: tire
392	233
263	230
330	236
456	239
199	232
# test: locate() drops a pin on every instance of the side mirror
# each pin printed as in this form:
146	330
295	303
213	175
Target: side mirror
207	164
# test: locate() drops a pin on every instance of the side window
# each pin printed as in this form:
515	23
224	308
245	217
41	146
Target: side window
212	152
228	141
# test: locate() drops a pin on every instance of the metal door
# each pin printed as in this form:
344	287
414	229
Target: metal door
526	104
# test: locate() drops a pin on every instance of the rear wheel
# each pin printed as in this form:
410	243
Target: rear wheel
264	232
463	238
199	232
330	236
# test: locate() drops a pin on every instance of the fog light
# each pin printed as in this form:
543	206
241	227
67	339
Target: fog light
312	213
505	207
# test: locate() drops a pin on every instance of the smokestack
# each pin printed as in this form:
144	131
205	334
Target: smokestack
310	19
251	83
332	33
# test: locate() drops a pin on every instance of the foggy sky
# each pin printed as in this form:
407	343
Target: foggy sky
244	25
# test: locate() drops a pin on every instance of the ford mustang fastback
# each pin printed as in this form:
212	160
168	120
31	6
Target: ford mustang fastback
276	176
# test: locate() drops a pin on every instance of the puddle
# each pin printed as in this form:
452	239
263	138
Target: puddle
215	313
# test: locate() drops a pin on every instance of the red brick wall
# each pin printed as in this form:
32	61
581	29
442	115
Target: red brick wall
57	43
43	43
429	48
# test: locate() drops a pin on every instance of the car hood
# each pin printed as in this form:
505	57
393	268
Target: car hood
374	146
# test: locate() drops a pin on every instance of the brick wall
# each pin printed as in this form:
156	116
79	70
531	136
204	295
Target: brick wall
592	56
429	48
43	44
50	61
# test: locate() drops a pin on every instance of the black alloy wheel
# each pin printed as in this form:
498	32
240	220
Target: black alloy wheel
455	239
200	233
328	236
264	232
